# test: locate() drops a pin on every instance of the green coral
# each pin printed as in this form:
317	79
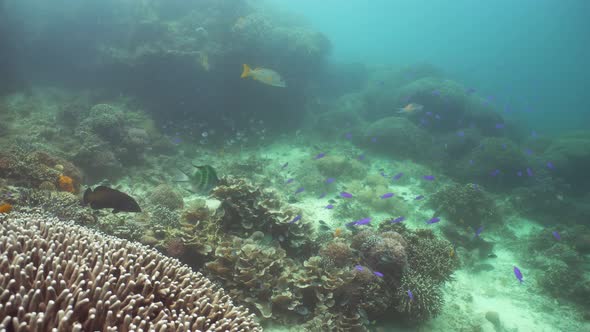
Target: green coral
465	205
427	296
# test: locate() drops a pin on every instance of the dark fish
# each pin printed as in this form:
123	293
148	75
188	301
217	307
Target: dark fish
203	180
322	195
106	198
419	197
331	201
300	190
285	165
492	255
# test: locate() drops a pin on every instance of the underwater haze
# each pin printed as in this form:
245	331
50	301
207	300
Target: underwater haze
532	54
289	166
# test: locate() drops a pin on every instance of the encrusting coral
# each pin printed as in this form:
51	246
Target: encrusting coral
64	277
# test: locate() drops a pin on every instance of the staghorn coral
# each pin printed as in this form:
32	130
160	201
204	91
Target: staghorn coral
246	208
53	279
429	255
428	298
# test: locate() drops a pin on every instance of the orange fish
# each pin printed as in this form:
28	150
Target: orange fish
411	107
337	232
5	208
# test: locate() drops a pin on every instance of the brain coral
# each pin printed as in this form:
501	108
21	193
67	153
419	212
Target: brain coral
67	278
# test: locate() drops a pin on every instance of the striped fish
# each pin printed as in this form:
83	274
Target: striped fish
203	179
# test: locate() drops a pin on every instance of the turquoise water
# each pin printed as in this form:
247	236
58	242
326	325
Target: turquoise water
328	165
528	54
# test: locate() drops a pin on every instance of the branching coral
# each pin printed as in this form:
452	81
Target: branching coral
465	205
427	298
430	256
53	279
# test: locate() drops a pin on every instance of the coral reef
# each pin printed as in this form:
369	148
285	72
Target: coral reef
427	298
569	154
255	273
154	292
465	205
246	208
398	137
167	197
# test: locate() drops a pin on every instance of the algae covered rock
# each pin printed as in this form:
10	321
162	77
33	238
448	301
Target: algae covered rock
399	137
570	155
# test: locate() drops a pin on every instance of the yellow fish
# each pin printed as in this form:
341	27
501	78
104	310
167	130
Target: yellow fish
264	75
412	107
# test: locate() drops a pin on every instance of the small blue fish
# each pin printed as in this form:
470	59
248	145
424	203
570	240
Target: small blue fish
556	235
289	180
503	146
364	221
478	231
428	177
379	274
348	136
500	126
374	139
398	219
475	186
344	194
387	195
495	172
518	274
320	156
361	157
176	140
300	190
436	116
359	268
330	180
470	91
470	161
398	176
528	151
529	172
383	174
296	219
433	220
460	133
329	206
410	295
550	165
419	197
285	165
533	134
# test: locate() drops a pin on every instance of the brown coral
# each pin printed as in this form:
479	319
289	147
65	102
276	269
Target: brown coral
67	278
